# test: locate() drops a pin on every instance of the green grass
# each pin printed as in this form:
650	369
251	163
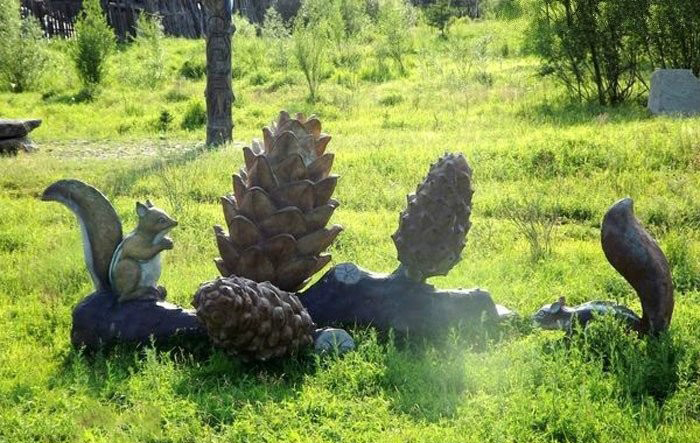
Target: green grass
524	141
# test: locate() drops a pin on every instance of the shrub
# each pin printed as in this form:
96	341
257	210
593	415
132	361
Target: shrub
503	9
195	117
673	37
441	14
22	48
396	19
534	222
164	121
312	32
354	15
149	38
684	269
193	69
93	43
591	46
277	35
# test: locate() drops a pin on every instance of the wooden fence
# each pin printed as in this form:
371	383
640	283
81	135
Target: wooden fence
181	18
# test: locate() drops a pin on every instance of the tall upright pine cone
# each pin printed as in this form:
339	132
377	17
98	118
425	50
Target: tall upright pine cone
280	206
433	228
253	320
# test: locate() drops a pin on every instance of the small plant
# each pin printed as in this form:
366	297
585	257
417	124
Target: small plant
310	50
93	43
149	38
22	48
441	14
193	70
684	269
276	33
195	117
395	23
391	100
177	93
534	223
165	119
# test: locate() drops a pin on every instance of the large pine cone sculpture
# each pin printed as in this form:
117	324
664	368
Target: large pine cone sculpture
280	207
433	228
253	320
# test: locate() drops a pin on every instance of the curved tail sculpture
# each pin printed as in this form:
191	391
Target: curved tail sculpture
633	253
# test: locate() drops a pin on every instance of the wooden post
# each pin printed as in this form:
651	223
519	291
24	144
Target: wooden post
219	92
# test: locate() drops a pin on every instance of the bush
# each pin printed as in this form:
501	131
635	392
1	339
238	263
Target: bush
673	37
164	120
441	14
503	9
312	32
599	49
93	43
533	222
684	269
277	35
396	18
590	46
195	117
149	38
22	48
193	69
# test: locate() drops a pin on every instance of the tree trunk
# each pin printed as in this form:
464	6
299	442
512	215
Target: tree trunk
219	92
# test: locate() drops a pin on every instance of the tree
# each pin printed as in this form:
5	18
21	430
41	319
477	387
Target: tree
22	48
93	43
440	14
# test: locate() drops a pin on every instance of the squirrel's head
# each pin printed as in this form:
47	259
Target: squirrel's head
553	316
153	220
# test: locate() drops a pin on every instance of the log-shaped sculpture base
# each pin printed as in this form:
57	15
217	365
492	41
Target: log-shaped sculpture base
348	295
99	320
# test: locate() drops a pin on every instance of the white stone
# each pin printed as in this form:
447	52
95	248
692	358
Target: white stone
674	92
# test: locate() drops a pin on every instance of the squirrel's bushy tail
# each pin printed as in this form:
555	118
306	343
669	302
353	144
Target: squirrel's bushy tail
99	224
637	257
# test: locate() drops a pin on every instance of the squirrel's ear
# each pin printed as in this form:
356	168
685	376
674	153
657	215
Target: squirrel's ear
562	300
141	209
148	203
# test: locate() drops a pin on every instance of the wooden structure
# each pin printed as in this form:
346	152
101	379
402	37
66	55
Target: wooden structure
219	92
181	18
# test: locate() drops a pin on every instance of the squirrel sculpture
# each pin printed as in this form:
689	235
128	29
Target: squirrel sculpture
638	258
127	266
558	316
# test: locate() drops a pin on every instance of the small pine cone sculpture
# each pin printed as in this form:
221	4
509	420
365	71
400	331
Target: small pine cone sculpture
433	228
253	320
280	206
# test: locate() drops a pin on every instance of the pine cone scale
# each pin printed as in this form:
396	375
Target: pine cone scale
433	227
280	206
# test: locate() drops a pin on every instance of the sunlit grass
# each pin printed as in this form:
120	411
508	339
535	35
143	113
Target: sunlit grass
524	141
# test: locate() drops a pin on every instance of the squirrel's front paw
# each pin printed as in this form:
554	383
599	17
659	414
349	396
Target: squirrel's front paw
166	243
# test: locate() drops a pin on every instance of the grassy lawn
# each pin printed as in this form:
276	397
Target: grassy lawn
527	145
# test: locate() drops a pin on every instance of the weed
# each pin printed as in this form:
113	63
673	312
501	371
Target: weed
195	116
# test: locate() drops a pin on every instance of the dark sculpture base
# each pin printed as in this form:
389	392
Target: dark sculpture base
99	320
348	295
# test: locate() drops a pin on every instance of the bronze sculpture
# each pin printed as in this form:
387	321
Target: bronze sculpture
280	206
638	258
127	305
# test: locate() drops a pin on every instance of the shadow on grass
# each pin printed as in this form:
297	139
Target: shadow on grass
85	95
121	183
209	378
565	113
